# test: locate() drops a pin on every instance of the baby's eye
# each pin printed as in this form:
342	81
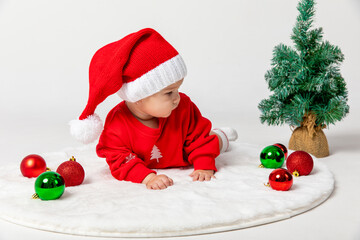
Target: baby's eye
169	93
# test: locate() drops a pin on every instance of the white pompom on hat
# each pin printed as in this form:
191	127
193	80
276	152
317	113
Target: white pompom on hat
135	67
86	130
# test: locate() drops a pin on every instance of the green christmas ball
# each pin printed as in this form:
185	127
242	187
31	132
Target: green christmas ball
272	157
49	185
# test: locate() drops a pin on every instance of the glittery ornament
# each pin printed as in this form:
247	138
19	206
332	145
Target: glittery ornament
300	163
72	172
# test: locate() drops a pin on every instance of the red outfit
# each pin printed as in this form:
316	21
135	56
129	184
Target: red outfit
132	149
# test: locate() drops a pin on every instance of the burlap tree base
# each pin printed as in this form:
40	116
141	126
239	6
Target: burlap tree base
314	143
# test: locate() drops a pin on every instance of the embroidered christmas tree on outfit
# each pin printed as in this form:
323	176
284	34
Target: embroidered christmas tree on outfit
129	158
155	153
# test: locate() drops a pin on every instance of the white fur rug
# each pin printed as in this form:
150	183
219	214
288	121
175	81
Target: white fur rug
103	206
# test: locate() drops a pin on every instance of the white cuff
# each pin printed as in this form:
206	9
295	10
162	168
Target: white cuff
224	138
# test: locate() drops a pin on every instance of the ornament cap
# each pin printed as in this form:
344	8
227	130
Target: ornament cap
296	173
35	196
72	159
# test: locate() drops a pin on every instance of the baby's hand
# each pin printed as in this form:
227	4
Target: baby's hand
202	175
156	182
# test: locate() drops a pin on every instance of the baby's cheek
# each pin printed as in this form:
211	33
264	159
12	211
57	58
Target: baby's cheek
167	109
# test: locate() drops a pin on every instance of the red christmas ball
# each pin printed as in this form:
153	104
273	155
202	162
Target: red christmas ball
32	166
300	163
72	172
283	148
280	179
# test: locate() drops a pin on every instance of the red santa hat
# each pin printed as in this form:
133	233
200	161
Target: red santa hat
135	67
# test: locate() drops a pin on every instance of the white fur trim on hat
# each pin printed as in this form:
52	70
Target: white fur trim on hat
87	130
165	74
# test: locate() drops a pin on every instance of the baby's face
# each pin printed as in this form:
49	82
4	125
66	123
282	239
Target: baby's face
162	103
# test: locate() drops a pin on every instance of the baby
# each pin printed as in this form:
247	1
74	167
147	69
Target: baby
155	126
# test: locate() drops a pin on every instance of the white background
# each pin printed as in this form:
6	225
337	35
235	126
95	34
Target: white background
46	47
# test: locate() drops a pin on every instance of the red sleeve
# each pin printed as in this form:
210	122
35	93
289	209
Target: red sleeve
114	146
200	148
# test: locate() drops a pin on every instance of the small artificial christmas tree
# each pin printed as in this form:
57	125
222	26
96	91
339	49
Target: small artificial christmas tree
308	90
